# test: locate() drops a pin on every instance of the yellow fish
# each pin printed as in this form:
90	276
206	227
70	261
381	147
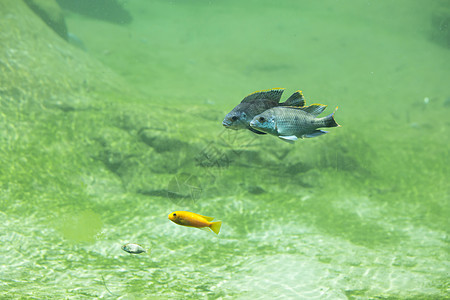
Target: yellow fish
191	219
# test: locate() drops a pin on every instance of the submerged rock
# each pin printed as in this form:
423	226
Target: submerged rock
54	99
50	12
39	68
160	141
440	21
107	10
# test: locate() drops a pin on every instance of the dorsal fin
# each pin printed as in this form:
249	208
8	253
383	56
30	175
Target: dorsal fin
314	109
296	99
271	94
209	219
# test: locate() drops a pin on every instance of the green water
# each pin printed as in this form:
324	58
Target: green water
97	147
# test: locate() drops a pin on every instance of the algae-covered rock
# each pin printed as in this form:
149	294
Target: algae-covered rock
51	14
56	102
74	134
37	66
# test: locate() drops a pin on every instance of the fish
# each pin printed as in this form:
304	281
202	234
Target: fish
133	248
292	123
186	218
256	103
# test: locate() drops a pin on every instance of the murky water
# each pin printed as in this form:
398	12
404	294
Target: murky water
103	137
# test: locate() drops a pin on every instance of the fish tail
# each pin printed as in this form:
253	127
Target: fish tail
215	226
329	120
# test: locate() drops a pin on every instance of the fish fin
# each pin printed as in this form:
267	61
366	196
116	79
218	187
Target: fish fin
209	219
256	131
270	94
314	109
296	99
288	138
329	120
204	228
315	133
215	226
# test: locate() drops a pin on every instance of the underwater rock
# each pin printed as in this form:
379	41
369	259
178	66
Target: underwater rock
440	22
54	99
36	65
50	12
298	167
245	157
159	140
107	10
141	169
256	190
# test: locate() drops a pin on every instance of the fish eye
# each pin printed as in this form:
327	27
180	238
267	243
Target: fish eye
174	215
262	119
234	118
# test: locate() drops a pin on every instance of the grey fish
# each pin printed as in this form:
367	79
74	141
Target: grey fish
291	123
256	103
133	248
